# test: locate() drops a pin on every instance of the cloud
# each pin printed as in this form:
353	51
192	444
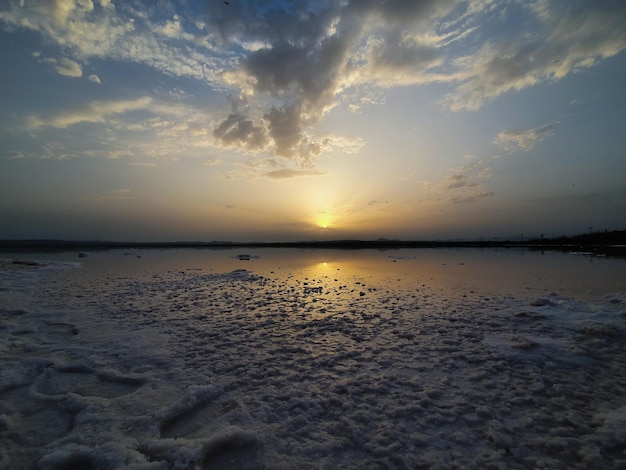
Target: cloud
66	67
304	80
238	130
380	206
458	181
463	184
124	31
94	112
94	79
172	28
308	55
293	62
287	174
285	128
308	58
47	151
60	10
280	132
213	162
472	197
567	37
524	139
309	52
398	54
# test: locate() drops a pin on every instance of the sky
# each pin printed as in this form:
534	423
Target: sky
188	120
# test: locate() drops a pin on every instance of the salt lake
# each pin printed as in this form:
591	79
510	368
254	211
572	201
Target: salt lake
285	358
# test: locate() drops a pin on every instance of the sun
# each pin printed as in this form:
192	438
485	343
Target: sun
323	222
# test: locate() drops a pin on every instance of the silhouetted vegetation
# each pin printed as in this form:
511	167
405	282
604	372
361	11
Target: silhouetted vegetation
616	237
608	243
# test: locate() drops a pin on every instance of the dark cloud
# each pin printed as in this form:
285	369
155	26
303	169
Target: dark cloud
279	132
271	21
305	78
398	55
237	129
307	72
307	51
284	125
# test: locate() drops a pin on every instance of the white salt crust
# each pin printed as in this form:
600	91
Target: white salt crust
192	370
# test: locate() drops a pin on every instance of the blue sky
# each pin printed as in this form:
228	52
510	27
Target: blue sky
197	120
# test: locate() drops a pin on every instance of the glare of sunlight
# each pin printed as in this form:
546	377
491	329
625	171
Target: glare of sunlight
322	269
323	220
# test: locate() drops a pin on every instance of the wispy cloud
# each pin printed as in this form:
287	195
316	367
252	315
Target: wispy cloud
287	174
463	184
458	181
524	139
93	112
66	67
213	162
565	39
47	151
473	197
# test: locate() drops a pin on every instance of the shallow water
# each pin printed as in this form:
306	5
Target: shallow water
312	359
516	272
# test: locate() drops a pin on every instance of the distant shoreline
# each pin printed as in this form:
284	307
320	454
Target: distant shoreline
601	243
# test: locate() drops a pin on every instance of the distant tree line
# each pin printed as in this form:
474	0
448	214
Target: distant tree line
608	242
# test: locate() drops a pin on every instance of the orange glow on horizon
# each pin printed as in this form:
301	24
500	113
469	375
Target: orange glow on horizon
323	220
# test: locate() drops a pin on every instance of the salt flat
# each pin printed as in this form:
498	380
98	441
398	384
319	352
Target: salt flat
126	362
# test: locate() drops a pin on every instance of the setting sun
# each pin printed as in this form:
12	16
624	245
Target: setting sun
323	223
323	220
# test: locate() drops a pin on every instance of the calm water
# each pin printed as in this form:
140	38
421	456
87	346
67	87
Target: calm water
513	272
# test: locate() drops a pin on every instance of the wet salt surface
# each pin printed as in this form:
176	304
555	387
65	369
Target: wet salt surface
185	360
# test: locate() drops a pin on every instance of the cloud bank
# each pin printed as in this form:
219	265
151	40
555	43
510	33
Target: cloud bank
289	64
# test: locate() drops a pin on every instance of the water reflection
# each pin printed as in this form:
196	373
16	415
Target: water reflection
488	272
515	272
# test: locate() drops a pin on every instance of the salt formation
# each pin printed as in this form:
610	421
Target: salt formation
177	369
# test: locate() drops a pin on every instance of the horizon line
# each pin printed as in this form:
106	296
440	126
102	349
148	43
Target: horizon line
615	237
